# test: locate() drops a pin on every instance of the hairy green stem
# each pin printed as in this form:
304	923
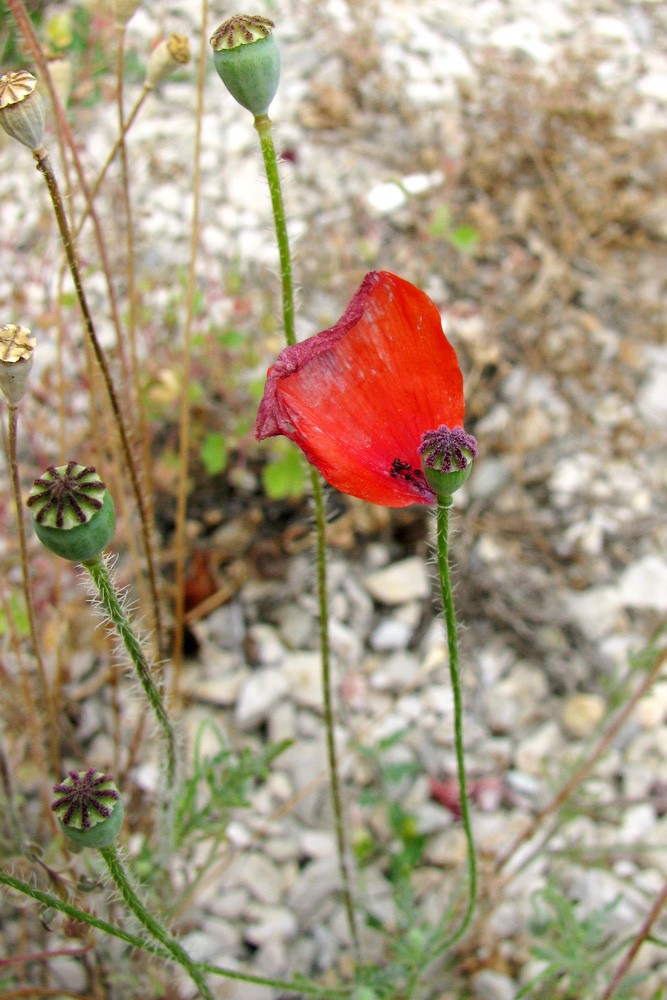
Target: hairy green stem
336	798
153	926
442	516
264	130
97	568
56	903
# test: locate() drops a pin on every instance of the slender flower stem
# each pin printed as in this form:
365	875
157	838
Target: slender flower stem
263	126
7	800
336	799
62	906
452	646
264	131
184	430
127	124
100	575
51	712
45	168
154	928
642	935
132	280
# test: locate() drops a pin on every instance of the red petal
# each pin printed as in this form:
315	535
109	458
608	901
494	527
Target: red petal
357	397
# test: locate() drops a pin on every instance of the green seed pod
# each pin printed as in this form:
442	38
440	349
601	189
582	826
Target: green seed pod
22	108
89	808
447	455
444	484
74	515
247	60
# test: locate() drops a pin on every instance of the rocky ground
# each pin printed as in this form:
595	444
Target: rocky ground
542	129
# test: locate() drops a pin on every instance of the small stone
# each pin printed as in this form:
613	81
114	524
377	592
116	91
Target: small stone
282	722
226	626
651	710
260	876
513	702
403	581
317	843
221	691
260	693
303	674
395	673
536	753
491	985
644	584
317	882
296	626
268	649
269	923
595	610
581	713
391	633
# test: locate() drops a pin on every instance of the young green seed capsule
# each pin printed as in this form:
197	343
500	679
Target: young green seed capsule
447	455
73	513
247	59
89	808
22	108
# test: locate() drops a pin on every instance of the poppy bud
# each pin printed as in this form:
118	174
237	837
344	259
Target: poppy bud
447	455
247	59
22	108
89	808
16	347
73	513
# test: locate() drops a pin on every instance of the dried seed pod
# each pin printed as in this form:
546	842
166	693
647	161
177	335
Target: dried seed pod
169	55
16	350
22	108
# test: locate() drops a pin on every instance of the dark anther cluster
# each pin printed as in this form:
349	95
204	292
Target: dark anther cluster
406	471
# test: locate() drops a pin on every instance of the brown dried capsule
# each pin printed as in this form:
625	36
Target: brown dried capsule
22	108
16	348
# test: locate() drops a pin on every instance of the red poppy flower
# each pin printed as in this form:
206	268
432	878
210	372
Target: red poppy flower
358	397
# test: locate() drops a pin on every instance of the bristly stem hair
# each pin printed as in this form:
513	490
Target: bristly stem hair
55	902
442	545
104	586
186	363
153	926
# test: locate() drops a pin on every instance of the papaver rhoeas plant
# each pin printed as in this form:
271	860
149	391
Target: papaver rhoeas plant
358	397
